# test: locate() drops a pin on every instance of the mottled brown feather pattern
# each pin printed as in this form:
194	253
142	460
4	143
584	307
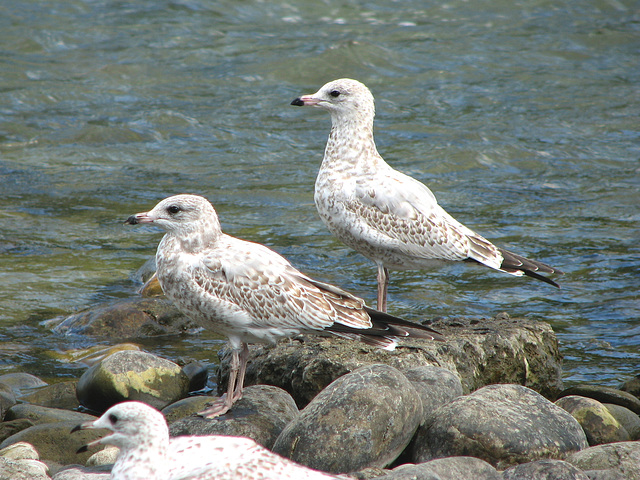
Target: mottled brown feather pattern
387	216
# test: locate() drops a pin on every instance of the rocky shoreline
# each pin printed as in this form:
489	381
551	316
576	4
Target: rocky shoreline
486	404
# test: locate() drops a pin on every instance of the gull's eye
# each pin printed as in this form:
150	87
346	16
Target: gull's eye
113	419
335	93
173	209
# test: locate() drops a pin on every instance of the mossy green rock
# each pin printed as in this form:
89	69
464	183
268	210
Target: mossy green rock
132	375
598	423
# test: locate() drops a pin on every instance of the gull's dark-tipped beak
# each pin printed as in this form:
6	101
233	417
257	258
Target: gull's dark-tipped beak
306	101
138	218
83	449
82	426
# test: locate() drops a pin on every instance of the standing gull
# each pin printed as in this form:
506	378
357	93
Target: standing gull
386	215
250	293
147	452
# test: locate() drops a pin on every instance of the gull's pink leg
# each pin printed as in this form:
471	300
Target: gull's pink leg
383	286
226	401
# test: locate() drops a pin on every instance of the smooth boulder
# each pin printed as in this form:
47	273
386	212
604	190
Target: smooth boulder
363	419
132	375
595	419
452	468
261	414
502	424
478	352
547	469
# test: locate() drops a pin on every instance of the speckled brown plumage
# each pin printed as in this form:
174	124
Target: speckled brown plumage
250	293
386	215
147	452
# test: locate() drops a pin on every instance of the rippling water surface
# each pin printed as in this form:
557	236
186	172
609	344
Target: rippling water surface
522	117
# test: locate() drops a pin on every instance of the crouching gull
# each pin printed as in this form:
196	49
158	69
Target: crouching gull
386	215
250	293
147	452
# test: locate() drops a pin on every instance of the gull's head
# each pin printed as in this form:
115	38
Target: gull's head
343	98
131	424
181	215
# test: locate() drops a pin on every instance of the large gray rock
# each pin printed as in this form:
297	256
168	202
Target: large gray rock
604	395
595	419
363	419
81	473
129	318
502	424
12	427
57	395
7	399
39	414
544	470
261	414
631	386
132	375
21	382
22	470
499	350
614	461
452	468
435	385
54	442
629	420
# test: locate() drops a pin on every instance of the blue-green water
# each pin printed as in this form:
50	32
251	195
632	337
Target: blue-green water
522	117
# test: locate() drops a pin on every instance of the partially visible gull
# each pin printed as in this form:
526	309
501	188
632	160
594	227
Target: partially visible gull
250	293
147	452
386	215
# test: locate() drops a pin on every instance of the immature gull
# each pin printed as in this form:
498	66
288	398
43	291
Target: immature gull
147	452
386	215
250	293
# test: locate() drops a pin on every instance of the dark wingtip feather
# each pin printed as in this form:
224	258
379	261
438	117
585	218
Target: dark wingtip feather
516	263
386	330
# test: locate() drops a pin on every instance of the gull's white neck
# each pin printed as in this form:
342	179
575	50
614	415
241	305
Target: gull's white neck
195	237
351	146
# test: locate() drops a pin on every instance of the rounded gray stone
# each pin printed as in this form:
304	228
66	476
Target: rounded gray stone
127	318
363	419
39	414
132	375
20	381
605	395
7	399
451	468
502	424
595	419
436	386
547	469
629	420
56	395
261	414
22	470
56	443
612	461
